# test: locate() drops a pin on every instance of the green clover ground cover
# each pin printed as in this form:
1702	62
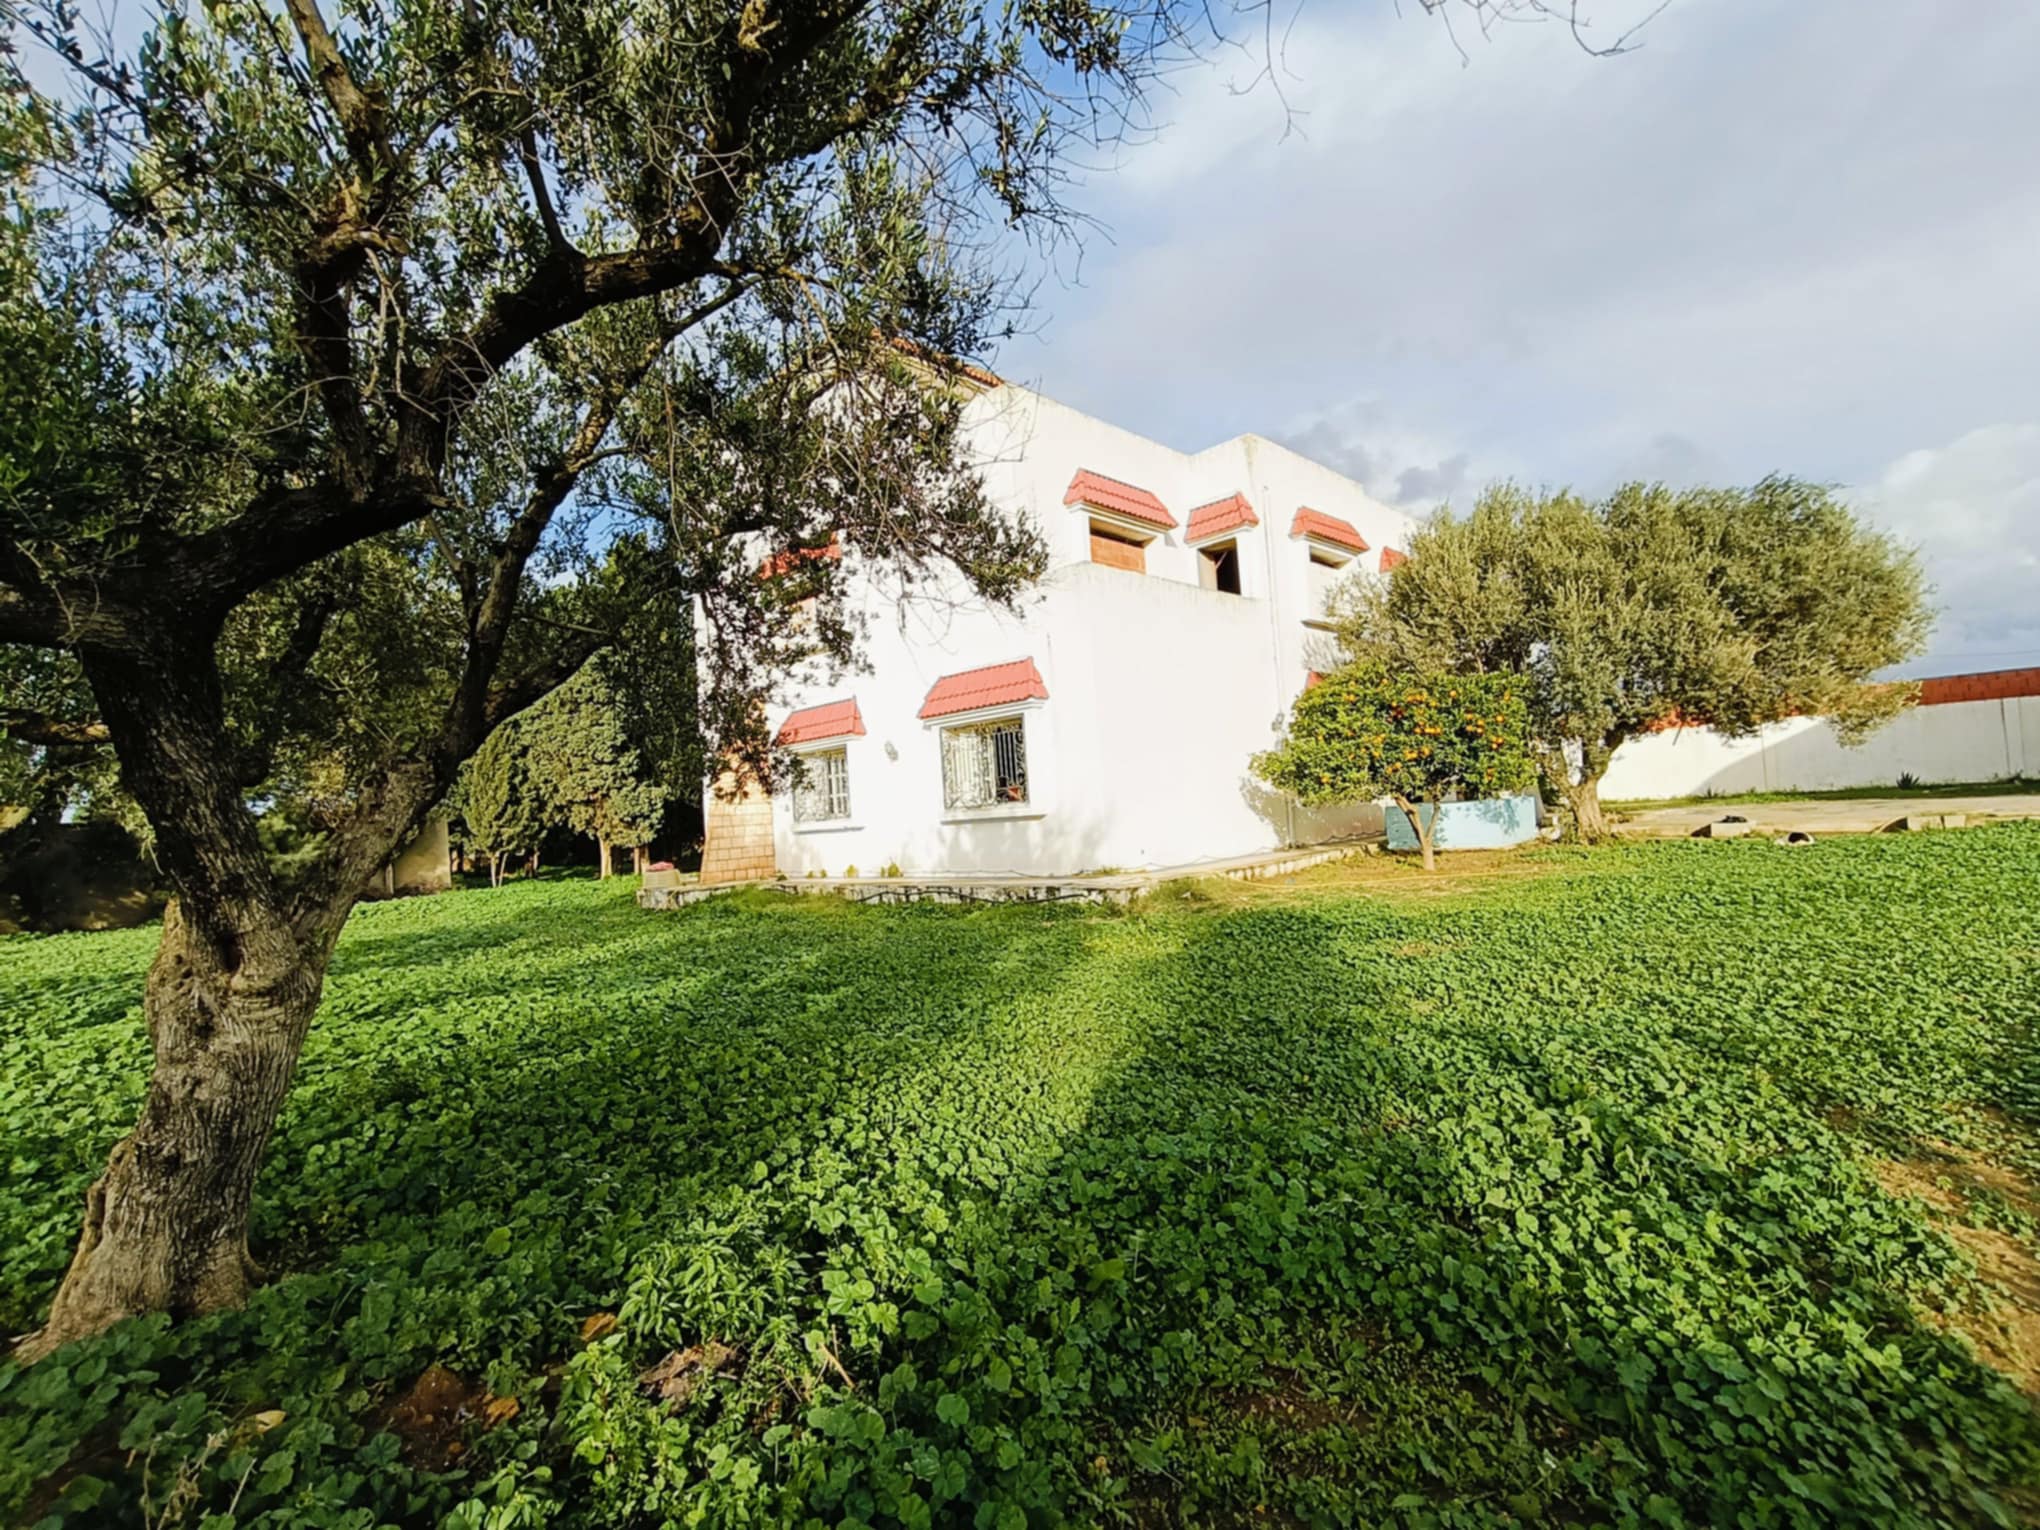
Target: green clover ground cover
1546	1204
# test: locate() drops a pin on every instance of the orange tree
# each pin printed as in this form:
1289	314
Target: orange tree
1368	731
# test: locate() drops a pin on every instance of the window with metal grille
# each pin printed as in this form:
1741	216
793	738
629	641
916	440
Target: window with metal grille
825	794
984	764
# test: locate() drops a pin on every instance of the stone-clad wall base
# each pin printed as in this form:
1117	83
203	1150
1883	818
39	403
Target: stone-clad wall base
1120	888
737	837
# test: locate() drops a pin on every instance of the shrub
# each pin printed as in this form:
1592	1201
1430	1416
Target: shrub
1368	731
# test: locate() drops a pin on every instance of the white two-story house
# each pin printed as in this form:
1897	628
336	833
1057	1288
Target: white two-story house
1110	723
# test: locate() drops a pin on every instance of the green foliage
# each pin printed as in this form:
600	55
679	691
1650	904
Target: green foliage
547	277
1731	607
1546	1205
502	809
577	755
1368	730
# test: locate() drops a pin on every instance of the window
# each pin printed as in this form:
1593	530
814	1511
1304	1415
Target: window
1118	549
1218	567
984	765
825	793
1327	571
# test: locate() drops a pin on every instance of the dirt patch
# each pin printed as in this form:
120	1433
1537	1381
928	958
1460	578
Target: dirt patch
2005	1330
1404	877
675	1379
432	1417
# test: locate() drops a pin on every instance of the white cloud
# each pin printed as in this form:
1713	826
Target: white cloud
1778	238
1973	509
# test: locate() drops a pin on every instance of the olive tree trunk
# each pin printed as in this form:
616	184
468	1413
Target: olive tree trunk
166	1224
1583	804
1581	790
229	997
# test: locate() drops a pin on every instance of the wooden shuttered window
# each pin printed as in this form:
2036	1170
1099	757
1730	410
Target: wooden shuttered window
1116	550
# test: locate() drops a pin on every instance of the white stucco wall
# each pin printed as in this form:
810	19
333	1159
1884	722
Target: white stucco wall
1954	741
1159	691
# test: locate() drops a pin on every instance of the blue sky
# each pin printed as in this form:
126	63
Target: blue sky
1798	238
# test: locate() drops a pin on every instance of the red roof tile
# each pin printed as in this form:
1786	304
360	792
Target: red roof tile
1327	528
1221	515
832	719
1987	685
1390	557
1312	679
793	557
1089	488
996	685
956	364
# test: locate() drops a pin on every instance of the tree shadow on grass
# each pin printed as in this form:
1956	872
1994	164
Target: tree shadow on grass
1398	1197
632	1079
1475	1254
1368	1199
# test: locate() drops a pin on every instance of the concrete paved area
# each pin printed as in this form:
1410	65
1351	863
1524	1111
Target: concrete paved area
1816	816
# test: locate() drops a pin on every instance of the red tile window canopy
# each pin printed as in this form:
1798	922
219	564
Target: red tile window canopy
1109	494
938	362
1391	558
793	557
811	725
1221	515
996	685
1319	527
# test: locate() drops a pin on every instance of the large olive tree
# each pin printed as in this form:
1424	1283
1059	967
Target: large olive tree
1730	607
335	349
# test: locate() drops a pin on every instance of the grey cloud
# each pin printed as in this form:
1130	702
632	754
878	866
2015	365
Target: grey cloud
1321	441
1432	483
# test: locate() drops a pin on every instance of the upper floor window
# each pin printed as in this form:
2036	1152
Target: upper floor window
1123	518
1218	567
1118	549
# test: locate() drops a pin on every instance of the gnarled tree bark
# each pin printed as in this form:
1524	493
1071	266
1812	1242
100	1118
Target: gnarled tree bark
230	996
1588	823
166	1224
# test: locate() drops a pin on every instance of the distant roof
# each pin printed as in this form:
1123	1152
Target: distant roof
996	685
1390	557
1221	515
1985	685
1327	528
793	557
1089	488
832	719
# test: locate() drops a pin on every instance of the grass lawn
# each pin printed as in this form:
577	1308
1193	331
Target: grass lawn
1667	1183
2016	787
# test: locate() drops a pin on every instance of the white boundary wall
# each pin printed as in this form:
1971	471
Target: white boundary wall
1957	741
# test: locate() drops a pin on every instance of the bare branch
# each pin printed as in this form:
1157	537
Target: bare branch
475	708
534	172
40	728
286	532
